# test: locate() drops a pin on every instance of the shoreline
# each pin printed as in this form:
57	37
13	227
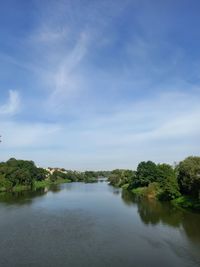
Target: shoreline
36	185
184	202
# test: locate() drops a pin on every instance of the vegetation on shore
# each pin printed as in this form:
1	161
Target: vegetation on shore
18	175
179	184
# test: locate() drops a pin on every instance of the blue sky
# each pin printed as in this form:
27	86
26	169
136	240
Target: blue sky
99	84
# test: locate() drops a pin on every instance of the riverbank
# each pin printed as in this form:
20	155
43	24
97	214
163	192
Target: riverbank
185	202
179	184
41	184
36	185
20	175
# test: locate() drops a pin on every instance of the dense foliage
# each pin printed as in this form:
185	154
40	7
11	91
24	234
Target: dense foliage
68	175
162	180
19	172
180	183
121	177
147	172
189	176
168	182
24	174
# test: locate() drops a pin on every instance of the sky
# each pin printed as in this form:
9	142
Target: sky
90	84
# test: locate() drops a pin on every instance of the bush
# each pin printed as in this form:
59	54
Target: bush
168	183
147	172
189	176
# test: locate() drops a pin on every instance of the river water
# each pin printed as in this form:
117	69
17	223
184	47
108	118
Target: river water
94	225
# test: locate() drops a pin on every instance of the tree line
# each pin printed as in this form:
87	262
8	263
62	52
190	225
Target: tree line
180	183
15	173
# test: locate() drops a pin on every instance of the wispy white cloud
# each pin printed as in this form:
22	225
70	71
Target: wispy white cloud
13	104
25	135
46	35
62	46
66	81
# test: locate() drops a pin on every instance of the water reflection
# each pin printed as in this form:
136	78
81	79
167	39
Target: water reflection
151	212
54	188
21	198
155	212
97	225
26	197
114	190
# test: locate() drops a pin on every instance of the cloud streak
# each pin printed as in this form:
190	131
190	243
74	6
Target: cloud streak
13	104
66	81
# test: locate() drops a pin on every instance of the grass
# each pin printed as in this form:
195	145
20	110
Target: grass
42	184
36	185
125	186
17	188
187	202
140	191
150	191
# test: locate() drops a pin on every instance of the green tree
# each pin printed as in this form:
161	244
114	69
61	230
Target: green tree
168	182
147	172
189	176
120	177
5	184
20	172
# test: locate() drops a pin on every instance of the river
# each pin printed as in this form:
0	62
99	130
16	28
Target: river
94	225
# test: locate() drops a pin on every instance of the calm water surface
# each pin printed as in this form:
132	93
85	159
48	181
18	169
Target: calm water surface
94	225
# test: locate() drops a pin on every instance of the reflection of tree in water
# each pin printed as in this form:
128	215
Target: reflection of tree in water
67	186
191	225
154	212
21	198
26	197
128	198
54	188
114	190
